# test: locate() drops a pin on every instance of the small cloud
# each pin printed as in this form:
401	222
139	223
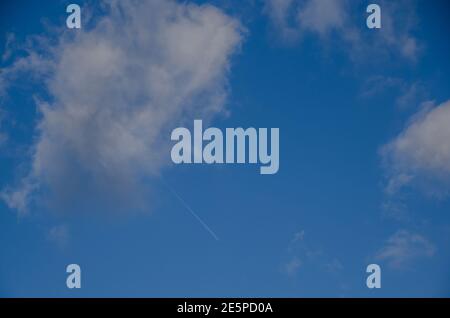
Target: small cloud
9	46
280	14
397	182
411	95
404	247
334	266
292	18
407	94
59	235
410	48
395	209
378	84
323	16
3	135
292	267
299	236
302	255
18	199
298	244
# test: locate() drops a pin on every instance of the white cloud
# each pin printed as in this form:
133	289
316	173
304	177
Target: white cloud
298	237
409	94
420	154
334	266
398	22
18	199
116	90
292	267
59	234
302	255
404	247
322	16
9	46
3	134
292	17
395	209
345	20
279	12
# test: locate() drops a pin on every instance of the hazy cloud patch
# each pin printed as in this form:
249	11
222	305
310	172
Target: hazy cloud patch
404	247
294	19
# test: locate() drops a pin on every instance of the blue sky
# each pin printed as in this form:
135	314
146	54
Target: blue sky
364	146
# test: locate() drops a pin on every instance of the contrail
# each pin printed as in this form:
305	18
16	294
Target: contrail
205	226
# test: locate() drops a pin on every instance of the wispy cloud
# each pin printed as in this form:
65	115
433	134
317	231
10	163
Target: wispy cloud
293	19
59	234
404	247
411	95
322	16
3	135
292	266
302	255
408	94
9	47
